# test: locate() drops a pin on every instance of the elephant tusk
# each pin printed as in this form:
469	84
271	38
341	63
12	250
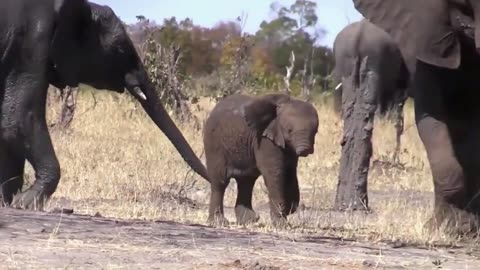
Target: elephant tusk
338	86
139	93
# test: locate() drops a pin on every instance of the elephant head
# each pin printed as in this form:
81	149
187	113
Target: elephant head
289	123
427	30
90	46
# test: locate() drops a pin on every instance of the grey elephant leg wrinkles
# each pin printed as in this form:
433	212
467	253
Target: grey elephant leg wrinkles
11	174
218	185
41	155
216	213
26	87
243	207
281	182
450	136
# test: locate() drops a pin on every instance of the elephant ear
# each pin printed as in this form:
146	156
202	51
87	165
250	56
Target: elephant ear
71	22
71	14
261	115
274	133
421	29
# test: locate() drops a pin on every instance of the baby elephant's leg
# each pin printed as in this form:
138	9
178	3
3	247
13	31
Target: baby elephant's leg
281	180
243	207
216	216
284	199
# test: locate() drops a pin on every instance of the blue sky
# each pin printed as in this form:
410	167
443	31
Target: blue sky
333	14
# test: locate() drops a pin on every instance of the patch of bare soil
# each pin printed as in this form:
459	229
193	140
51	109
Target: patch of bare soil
59	240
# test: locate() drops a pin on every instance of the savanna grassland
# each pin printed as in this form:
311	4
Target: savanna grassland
150	209
115	161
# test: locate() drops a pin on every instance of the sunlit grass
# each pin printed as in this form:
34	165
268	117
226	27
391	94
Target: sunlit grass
117	163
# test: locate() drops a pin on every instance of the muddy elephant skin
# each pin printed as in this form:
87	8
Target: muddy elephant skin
63	43
246	137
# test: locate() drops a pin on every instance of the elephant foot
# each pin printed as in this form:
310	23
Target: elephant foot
3	202
454	220
245	215
30	200
218	221
279	222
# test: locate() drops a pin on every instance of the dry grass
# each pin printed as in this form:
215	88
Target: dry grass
116	162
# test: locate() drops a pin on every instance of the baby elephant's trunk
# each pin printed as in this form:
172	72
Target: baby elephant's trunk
304	145
304	151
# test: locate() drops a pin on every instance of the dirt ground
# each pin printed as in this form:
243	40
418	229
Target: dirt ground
52	240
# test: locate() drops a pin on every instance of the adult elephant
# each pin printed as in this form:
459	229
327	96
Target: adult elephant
440	39
390	78
62	43
359	40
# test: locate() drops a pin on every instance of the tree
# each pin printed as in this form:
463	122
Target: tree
237	58
161	63
294	29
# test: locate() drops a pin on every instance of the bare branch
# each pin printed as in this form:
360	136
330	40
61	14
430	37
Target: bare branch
308	79
162	67
67	98
288	76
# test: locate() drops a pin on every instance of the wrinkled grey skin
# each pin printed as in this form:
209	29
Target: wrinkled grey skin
361	39
246	137
62	43
443	36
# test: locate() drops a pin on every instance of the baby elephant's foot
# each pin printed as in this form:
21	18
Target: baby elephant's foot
218	220
245	215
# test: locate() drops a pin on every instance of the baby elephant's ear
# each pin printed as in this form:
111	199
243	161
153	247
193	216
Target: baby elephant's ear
259	113
274	133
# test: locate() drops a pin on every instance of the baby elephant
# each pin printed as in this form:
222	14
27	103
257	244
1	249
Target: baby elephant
245	137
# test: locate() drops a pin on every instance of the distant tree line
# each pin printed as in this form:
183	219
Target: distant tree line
260	59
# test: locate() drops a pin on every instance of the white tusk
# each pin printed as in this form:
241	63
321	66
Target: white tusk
338	86
139	93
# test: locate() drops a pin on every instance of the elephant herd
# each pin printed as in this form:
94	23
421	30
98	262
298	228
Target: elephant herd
426	48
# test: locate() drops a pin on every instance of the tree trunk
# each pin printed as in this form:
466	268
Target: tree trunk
359	106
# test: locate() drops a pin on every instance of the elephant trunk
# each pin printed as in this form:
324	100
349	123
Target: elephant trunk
145	93
304	145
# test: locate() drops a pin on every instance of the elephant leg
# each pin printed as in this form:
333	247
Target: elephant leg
243	207
41	156
34	139
284	200
467	148
443	134
219	179
282	185
218	184
215	213
448	176
293	189
11	175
